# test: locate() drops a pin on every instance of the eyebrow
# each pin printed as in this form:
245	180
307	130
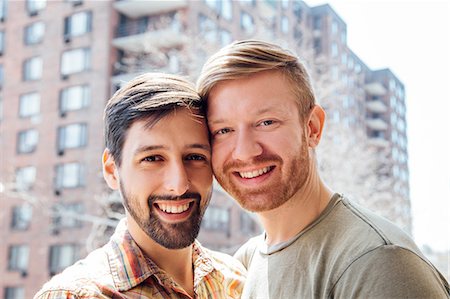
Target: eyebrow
147	148
258	112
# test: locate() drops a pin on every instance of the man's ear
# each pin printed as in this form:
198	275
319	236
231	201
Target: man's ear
110	170
316	122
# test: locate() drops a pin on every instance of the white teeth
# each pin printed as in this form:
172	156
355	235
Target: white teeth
254	173
173	209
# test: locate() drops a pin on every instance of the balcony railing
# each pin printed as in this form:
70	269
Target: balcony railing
375	89
139	8
376	106
157	32
377	124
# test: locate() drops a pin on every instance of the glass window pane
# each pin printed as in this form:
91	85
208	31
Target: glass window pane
25	177
28	141
74	61
29	104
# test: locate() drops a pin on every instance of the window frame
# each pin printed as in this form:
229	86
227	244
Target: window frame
18	220
61	173
27	68
68	56
63	139
23	145
27	33
15	254
65	95
23	108
68	25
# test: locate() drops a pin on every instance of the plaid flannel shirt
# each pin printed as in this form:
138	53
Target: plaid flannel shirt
121	270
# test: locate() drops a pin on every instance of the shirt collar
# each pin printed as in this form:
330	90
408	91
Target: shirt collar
130	267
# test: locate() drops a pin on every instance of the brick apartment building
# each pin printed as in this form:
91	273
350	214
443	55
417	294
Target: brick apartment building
61	60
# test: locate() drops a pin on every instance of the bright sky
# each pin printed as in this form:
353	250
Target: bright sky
412	38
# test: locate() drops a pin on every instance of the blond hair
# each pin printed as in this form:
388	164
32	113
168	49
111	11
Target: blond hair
248	57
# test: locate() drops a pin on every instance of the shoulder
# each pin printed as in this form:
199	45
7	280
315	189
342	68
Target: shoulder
391	271
226	264
360	222
245	253
81	280
81	288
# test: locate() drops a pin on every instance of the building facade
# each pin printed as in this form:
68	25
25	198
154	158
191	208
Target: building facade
61	60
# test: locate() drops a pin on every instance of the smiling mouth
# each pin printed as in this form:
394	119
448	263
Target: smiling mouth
173	208
255	173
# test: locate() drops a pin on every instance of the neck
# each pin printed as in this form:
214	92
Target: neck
177	263
305	206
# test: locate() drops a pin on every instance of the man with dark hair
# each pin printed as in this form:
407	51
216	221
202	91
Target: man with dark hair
265	125
158	156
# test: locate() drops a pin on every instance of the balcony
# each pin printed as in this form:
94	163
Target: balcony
375	89
376	106
377	124
379	142
163	32
139	8
127	69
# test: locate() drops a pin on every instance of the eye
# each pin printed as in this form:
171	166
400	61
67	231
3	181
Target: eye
152	159
222	131
196	157
266	123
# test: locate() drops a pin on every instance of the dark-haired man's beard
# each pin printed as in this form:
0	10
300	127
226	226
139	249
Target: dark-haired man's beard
169	235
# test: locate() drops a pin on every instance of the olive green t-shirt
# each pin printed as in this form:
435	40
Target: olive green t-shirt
348	252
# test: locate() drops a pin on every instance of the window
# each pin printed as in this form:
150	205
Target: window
1	76
334	27
34	6
27	141
74	61
216	218
284	24
1	107
69	175
25	177
14	293
61	257
3	10
77	24
298	11
64	215
221	7
74	98
317	45
21	217
247	223
71	136
75	2
18	258
334	50
32	69
317	23
247	23
208	28
2	42
29	104
227	9
344	58
34	33
225	37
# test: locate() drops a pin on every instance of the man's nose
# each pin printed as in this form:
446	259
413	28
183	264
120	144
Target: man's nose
246	146
176	179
